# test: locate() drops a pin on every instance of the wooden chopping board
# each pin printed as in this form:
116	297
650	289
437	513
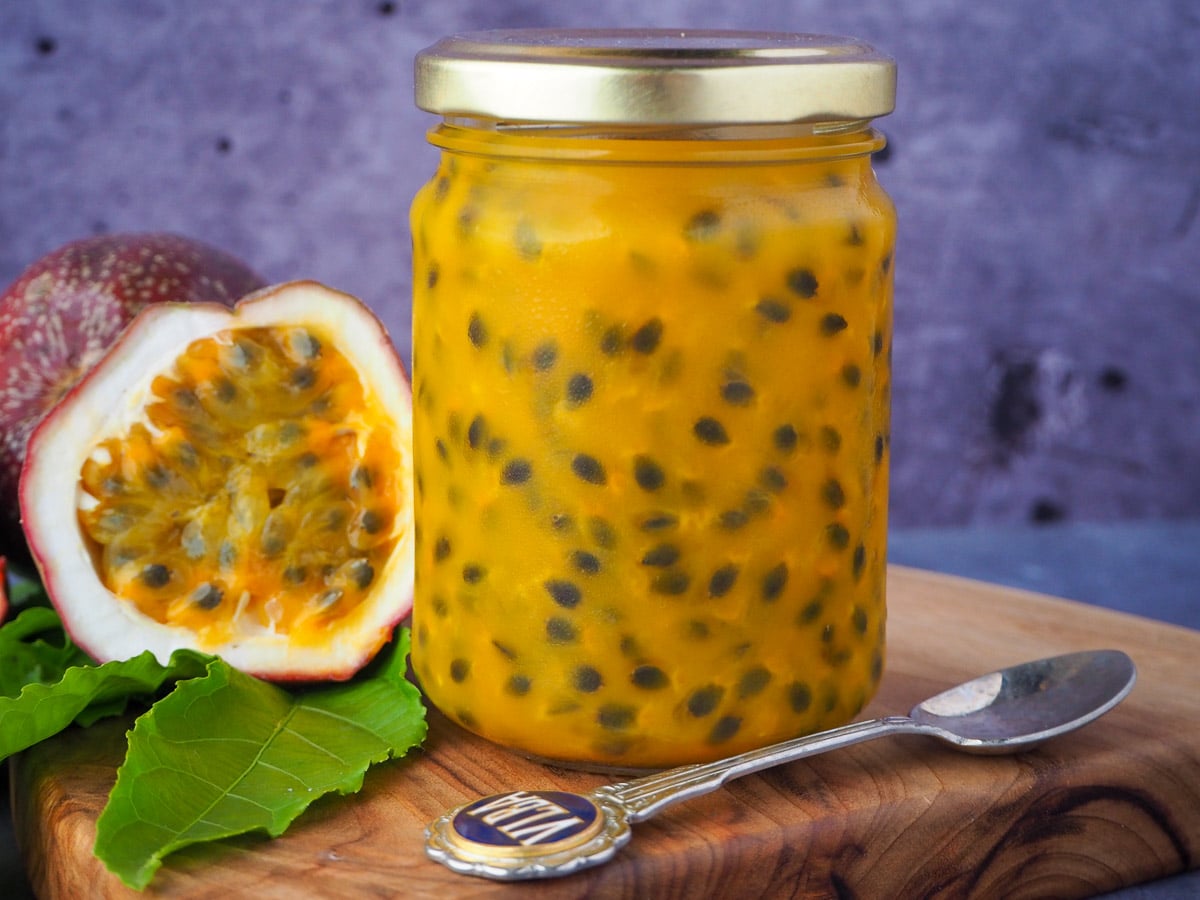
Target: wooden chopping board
1114	804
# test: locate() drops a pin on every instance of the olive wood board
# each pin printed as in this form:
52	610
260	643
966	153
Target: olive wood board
1114	804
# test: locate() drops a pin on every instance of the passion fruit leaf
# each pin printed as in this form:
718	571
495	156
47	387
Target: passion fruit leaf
19	591
61	686
24	592
35	649
228	754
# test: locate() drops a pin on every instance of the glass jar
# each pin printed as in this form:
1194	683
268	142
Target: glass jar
651	367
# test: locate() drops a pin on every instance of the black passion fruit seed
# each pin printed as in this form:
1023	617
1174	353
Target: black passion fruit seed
663	555
697	630
612	341
602	532
810	613
616	717
442	549
772	479
775	311
585	562
559	631
579	389
753	682
360	572
477	432
544	356
649	678
832	323
671	583
517	471
586	679
733	519
648	474
832	494
722	581
838	536
802	283
737	393
207	596
564	593
659	522
756	502
774	582
155	575
646	339
588	469
726	728
799	696
703	226
785	438
710	431
704	700
477	331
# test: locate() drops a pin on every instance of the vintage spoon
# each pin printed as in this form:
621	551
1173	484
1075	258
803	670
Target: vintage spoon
542	834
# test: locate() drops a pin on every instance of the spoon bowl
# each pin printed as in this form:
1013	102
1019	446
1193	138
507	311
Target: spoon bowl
1016	709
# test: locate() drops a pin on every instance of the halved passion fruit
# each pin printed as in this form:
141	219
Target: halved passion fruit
235	481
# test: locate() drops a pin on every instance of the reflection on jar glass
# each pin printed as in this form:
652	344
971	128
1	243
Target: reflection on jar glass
651	364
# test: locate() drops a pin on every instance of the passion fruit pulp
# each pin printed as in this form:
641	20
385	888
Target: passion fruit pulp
236	481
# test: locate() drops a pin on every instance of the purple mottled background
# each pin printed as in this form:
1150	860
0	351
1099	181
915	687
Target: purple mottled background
1044	157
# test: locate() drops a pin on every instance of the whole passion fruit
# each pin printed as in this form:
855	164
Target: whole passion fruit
65	310
235	481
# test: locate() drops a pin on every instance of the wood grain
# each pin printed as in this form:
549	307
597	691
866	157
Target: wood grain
1114	804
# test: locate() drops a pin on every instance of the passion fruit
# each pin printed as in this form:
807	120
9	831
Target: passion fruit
235	481
64	311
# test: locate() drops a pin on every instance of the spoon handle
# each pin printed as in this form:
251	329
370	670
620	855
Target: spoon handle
647	796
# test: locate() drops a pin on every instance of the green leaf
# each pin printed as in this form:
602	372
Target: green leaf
84	693
26	592
34	648
228	754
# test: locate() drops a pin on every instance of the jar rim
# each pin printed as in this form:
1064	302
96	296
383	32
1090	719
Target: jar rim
654	76
672	149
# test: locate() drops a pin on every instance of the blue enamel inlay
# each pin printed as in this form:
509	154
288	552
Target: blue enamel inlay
525	818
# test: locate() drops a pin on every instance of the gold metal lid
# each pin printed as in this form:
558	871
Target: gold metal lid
659	77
